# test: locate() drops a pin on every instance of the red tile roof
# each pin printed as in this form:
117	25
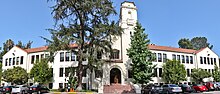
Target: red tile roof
172	49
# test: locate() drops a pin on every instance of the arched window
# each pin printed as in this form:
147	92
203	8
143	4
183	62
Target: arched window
114	54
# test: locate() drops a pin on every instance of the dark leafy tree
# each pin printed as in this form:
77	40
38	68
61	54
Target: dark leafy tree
0	71
85	23
41	72
200	42
17	75
140	56
199	74
185	43
173	72
216	74
24	46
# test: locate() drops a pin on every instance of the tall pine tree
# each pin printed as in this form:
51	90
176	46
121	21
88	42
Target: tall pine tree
140	56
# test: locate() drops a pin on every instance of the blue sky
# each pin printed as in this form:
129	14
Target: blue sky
165	21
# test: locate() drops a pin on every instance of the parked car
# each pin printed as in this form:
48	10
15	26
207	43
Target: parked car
21	89
210	86
171	88
200	88
186	88
39	89
7	89
217	85
152	89
1	89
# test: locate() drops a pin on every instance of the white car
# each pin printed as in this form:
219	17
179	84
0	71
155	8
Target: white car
21	89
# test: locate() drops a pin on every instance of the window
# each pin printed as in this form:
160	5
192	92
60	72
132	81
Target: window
21	60
214	60
6	62
204	60
50	85
191	59
183	59
17	61
46	55
187	59
67	58
211	61
60	85
67	70
155	57
61	56
32	59
205	69
61	72
174	57
37	58
73	56
178	57
99	55
52	71
201	61
155	72
98	74
209	70
160	72
13	61
159	57
42	56
212	71
188	72
164	57
84	73
208	60
9	62
115	54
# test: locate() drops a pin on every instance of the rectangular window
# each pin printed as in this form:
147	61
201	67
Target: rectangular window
159	57
174	57
155	57
212	71
191	59
61	72
214	60
84	73
160	72
205	69
115	54
42	56
187	59
164	57
99	55
67	58
22	60
60	85
52	71
209	70
61	56
201	60
6	62
73	56
178	57
37	58
183	58
46	55
98	74
155	72
208	60
204	60
32	59
187	72
17	61
211	61
67	70
50	85
9	62
13	61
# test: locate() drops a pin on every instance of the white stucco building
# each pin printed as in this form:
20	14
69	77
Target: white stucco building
116	67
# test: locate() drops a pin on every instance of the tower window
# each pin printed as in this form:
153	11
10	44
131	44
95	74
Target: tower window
115	54
129	12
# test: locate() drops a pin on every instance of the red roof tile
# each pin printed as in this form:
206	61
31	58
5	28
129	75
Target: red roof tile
39	49
172	49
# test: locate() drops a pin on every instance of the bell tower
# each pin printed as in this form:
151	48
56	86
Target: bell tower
128	19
